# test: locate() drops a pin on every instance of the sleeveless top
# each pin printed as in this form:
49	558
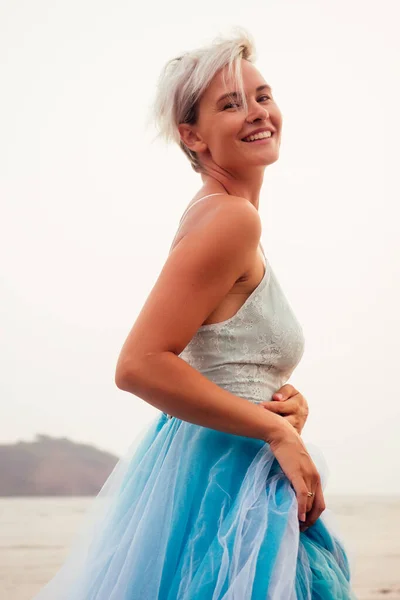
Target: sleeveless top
254	352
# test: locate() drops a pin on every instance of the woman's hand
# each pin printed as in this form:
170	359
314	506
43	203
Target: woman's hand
295	461
292	406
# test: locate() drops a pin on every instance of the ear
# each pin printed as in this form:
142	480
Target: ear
190	138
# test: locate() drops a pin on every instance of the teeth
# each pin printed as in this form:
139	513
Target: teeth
258	136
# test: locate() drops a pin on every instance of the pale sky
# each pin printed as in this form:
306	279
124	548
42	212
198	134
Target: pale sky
90	205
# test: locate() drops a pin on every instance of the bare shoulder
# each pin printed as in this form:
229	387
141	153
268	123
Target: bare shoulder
217	249
236	206
223	213
221	236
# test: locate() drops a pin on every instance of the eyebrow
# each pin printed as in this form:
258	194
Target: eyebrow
265	86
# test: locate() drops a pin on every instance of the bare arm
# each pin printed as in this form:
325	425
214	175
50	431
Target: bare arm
172	385
197	275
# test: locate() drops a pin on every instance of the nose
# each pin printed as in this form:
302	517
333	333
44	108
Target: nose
256	111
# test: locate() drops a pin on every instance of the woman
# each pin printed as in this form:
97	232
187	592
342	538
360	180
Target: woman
220	498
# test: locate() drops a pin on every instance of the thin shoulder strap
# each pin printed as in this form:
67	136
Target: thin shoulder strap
202	198
215	194
180	222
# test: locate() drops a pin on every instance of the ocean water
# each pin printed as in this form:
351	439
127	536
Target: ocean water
35	535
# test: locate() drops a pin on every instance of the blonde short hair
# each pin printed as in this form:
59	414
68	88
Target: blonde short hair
184	79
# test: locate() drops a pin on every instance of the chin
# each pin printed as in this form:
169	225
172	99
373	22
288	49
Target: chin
265	161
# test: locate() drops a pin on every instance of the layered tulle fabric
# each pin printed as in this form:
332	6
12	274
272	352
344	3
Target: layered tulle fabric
191	513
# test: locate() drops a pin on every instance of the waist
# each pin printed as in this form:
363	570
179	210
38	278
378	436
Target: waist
253	390
251	382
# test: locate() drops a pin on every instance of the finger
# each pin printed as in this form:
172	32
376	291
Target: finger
272	406
316	510
309	502
311	499
294	423
284	392
282	408
301	494
292	418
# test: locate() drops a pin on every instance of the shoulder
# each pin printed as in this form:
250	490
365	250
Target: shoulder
220	217
225	215
224	236
232	220
237	205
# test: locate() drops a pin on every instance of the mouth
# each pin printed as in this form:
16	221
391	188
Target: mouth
264	140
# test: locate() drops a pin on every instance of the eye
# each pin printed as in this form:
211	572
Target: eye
230	105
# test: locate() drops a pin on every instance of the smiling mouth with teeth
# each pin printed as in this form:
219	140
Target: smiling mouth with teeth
258	136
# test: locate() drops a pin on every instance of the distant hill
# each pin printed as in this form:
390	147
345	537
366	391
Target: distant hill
53	467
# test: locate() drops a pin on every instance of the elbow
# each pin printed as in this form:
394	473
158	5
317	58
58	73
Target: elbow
120	380
129	376
125	377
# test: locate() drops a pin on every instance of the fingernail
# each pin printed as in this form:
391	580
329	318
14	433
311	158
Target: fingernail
303	517
279	396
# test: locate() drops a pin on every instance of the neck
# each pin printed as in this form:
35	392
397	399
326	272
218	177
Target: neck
246	185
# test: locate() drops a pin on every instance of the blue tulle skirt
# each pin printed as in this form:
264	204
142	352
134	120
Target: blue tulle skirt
191	513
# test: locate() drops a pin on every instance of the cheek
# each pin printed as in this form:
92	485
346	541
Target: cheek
224	139
232	125
279	118
224	136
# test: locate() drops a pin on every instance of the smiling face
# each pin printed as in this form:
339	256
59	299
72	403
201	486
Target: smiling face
222	124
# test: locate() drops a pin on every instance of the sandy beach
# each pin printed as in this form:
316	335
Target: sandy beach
36	534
